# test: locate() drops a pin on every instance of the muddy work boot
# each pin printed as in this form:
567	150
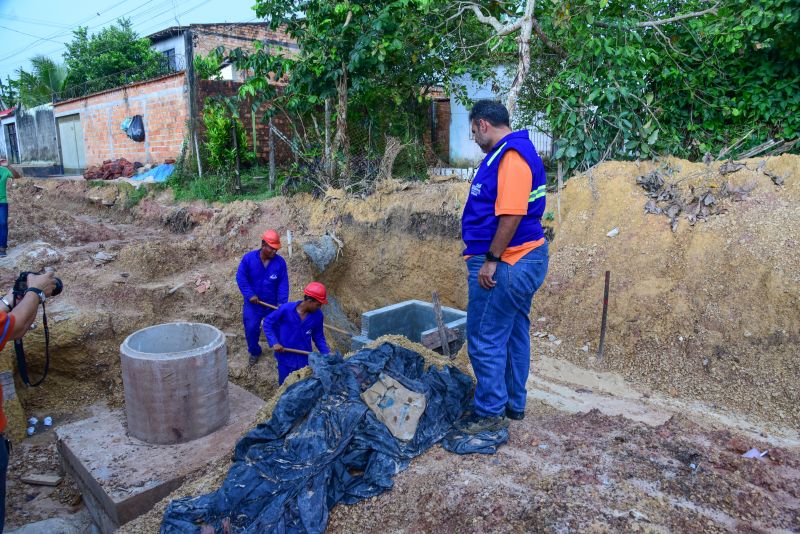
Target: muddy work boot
473	423
253	360
514	415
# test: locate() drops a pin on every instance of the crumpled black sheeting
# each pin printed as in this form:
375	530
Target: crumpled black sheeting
323	446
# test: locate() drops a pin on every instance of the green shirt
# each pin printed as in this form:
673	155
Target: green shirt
5	174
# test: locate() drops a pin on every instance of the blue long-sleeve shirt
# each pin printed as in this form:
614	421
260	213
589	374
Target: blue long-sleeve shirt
270	284
285	327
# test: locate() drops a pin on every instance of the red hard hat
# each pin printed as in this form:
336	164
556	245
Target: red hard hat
271	238
316	291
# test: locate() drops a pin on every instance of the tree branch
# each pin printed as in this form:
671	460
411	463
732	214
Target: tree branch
670	20
494	23
537	28
661	22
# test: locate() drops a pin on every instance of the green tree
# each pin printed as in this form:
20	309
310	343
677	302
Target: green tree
44	81
368	53
115	56
637	78
8	93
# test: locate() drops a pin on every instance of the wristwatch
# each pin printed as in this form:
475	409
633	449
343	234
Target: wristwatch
491	257
39	293
7	304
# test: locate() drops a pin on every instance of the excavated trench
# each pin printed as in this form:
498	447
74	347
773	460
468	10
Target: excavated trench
686	329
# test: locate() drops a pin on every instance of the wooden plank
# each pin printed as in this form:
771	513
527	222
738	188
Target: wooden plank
42	479
433	339
437	311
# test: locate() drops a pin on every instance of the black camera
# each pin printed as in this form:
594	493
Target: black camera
21	285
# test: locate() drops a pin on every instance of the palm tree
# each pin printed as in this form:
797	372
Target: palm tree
42	83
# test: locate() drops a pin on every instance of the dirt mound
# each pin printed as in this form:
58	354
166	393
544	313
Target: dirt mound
710	311
588	473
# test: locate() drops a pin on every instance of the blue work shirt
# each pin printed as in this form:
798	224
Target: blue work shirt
285	327
270	283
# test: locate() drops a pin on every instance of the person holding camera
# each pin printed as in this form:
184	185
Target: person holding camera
15	321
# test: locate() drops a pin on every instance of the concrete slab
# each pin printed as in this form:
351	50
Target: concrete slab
413	319
121	477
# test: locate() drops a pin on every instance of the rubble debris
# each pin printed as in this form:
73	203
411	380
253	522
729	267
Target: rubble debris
111	169
755	453
41	479
323	252
613	233
730	166
202	283
777	180
102	258
666	198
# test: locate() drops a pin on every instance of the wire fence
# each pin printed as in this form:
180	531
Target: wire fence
161	67
379	143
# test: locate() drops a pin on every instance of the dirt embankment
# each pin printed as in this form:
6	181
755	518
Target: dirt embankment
710	311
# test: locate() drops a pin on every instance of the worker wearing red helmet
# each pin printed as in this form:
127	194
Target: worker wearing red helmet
262	276
293	326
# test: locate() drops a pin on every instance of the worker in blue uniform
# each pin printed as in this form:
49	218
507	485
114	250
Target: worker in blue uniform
262	277
507	260
293	326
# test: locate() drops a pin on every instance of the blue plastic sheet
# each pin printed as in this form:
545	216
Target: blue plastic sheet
159	173
324	446
485	442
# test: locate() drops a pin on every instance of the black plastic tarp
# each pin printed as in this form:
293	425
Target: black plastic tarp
324	446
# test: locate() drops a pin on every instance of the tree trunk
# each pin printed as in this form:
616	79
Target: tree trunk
523	58
341	140
327	163
271	157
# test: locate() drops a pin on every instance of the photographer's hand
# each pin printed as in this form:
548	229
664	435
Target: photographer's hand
24	311
9	297
46	282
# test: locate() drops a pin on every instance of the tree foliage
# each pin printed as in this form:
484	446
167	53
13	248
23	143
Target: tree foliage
638	79
39	85
373	62
115	56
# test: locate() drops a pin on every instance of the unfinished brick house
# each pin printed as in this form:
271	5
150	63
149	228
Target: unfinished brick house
89	129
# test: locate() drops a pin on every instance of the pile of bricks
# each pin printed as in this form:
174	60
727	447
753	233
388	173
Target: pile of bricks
111	169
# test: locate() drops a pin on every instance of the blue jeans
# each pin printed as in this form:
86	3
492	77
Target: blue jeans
3	225
3	471
498	331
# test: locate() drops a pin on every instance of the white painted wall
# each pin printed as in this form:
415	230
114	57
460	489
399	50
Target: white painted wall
464	152
175	42
3	150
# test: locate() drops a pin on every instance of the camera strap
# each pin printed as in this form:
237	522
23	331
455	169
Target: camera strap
20	351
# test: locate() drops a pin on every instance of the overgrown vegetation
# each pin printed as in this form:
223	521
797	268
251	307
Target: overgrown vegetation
628	80
113	57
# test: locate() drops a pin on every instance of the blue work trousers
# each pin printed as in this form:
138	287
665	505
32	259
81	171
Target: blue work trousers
252	317
3	225
288	363
498	331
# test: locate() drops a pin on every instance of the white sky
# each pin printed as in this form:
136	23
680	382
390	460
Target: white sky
49	23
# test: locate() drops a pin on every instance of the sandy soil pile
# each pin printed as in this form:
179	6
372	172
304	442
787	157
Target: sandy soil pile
710	311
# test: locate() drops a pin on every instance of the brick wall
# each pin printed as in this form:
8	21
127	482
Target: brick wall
207	37
283	153
438	124
163	104
441	145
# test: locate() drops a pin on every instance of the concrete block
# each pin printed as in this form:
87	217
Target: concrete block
413	319
121	477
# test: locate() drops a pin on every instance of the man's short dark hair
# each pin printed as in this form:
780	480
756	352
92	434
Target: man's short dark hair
491	111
